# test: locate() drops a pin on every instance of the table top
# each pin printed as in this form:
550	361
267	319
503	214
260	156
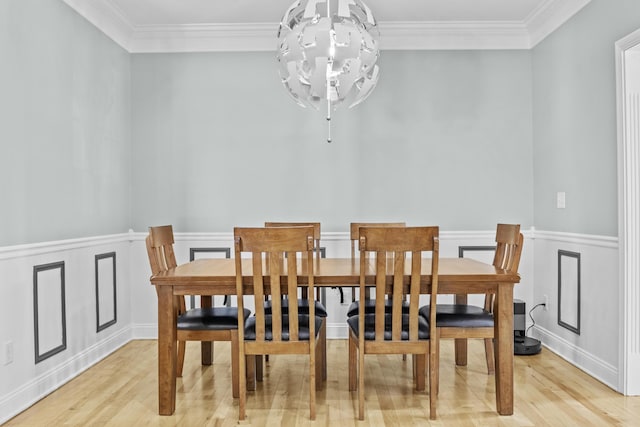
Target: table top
218	275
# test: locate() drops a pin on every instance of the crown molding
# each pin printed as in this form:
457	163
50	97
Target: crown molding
549	16
107	18
204	38
450	35
453	35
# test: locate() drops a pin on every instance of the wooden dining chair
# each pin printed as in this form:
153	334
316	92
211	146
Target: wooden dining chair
197	324
276	270
303	300
354	233
462	321
395	331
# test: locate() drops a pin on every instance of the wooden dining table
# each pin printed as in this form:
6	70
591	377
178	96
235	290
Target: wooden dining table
457	276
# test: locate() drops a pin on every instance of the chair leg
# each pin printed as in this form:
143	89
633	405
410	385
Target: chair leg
437	362
433	379
318	368
206	353
242	384
361	383
323	336
259	368
180	362
488	351
251	372
353	362
419	363
313	367
413	369
235	377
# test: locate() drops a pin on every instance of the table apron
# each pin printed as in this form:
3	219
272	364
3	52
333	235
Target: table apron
229	289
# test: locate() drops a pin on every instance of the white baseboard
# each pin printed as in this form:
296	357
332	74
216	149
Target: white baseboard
144	331
36	389
597	368
337	331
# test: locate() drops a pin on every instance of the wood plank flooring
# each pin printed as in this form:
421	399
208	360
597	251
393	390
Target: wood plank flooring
122	391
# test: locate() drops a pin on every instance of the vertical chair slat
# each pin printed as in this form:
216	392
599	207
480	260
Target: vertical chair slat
258	289
414	294
381	279
292	291
275	263
239	290
361	308
397	294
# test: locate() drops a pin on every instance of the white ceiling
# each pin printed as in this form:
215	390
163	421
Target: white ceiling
241	25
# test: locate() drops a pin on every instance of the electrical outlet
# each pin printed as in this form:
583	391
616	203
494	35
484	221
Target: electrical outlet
8	352
546	302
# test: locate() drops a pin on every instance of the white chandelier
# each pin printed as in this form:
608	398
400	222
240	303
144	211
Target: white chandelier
328	54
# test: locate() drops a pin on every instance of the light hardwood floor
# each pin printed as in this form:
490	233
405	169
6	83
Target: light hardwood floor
122	391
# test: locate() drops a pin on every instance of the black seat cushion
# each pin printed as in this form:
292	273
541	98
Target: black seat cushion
213	319
303	307
370	307
303	328
459	316
370	322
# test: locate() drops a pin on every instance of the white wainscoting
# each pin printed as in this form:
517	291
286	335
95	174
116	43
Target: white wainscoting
596	349
24	382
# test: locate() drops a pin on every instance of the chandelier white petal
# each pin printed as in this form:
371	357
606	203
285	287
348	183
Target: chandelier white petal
327	52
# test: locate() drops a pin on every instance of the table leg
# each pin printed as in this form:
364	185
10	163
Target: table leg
503	315
461	343
167	350
206	346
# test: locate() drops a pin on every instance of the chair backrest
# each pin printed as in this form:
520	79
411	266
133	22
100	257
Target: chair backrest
354	231
160	248
398	242
316	231
316	245
274	257
508	247
159	244
509	242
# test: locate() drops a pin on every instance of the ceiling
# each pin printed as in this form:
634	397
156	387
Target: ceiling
246	25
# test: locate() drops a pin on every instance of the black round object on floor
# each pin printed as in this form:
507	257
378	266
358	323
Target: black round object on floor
525	346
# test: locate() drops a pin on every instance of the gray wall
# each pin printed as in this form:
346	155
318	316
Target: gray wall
444	139
65	167
574	119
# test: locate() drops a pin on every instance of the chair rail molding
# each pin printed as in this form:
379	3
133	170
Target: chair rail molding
32	249
576	238
628	129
